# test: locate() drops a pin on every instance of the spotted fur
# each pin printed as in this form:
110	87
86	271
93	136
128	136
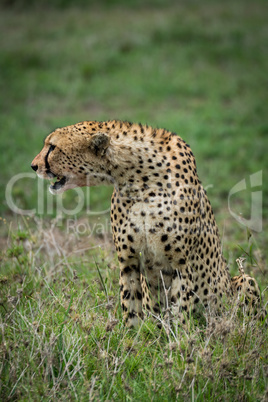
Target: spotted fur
164	229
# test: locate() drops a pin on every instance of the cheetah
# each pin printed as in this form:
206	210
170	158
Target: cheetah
163	226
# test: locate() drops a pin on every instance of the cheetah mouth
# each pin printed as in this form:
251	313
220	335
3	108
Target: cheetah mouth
58	186
61	184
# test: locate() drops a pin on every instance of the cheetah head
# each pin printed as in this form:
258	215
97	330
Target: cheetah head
73	156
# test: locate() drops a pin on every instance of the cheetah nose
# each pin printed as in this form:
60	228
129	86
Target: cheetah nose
34	167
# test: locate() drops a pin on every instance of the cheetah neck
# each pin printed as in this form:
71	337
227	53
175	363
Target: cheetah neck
137	156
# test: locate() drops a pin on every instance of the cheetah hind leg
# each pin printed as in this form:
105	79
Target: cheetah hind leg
246	289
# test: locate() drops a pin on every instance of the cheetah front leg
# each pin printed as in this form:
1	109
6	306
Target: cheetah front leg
182	300
130	291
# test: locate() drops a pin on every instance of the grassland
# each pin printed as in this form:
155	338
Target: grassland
196	68
62	335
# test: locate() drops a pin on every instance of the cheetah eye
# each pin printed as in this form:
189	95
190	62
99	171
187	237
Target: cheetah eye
51	148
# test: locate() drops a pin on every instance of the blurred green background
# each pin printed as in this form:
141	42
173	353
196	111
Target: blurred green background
196	68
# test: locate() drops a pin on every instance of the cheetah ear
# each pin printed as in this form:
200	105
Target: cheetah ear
99	143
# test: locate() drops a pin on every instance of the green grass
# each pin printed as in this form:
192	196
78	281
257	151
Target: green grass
62	336
196	68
